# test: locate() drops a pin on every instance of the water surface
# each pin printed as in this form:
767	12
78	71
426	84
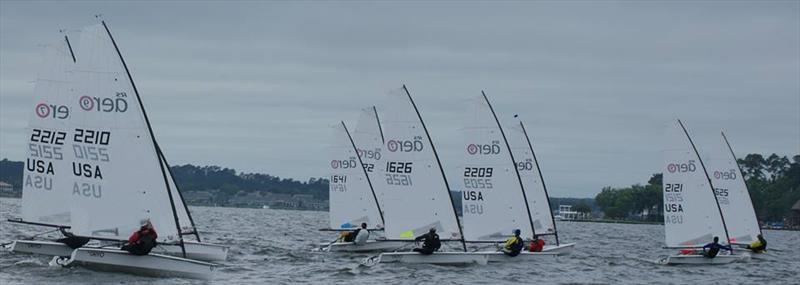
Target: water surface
274	247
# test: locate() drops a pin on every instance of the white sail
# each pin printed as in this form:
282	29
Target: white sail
416	196
691	215
351	198
531	179
47	167
731	191
368	137
113	194
492	200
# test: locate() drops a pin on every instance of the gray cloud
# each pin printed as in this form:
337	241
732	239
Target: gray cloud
255	85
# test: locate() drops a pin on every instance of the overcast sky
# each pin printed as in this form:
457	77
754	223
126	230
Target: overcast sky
256	85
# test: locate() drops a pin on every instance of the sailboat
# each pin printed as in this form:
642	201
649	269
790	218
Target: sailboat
42	198
416	191
536	191
119	176
53	85
352	198
692	213
733	195
495	201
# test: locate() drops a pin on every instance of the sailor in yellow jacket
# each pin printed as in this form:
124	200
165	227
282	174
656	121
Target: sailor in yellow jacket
759	245
514	244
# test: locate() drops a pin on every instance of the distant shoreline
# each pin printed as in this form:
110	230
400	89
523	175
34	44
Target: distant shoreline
604	221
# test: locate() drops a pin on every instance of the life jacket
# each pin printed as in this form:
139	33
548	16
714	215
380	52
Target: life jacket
432	241
143	242
537	245
516	245
713	251
351	236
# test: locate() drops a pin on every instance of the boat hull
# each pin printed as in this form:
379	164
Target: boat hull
41	247
155	265
701	260
442	258
370	246
496	256
562	249
195	250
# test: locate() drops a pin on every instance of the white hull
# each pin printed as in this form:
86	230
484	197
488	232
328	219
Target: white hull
701	260
41	247
149	265
562	249
496	256
443	258
195	250
370	246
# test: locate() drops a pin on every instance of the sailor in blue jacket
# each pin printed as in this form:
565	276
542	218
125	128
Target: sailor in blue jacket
712	249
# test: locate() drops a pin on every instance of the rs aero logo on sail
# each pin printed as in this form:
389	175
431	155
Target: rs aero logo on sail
682	167
493	148
107	105
414	145
45	110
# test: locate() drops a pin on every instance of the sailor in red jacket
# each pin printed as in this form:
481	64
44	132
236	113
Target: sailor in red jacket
537	244
143	240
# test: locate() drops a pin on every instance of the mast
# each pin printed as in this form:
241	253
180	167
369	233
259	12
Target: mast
152	137
180	194
741	173
710	184
513	161
541	178
378	119
361	163
441	169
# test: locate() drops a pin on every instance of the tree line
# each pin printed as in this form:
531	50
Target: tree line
195	178
773	182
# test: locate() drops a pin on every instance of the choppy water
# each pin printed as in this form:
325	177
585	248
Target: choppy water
274	246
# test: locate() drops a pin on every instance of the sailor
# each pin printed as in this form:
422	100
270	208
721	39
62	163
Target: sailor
537	244
431	243
351	235
362	235
712	249
759	245
142	241
71	240
513	244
